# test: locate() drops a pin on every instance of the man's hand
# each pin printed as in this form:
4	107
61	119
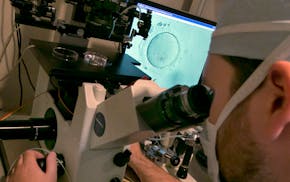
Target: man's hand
145	169
27	170
137	153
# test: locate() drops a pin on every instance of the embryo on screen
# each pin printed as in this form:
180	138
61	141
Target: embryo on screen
175	50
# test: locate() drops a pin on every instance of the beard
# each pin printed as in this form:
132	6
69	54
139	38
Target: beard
241	158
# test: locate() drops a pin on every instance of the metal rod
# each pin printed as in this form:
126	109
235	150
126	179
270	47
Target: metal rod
32	129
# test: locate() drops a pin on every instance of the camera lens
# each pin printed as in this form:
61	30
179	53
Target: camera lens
177	107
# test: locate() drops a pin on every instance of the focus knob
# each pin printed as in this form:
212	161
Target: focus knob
122	158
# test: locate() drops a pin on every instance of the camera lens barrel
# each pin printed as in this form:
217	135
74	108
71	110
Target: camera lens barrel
177	107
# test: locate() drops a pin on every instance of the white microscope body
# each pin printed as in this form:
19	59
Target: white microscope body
100	128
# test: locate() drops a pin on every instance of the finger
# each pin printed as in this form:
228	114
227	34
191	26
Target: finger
12	171
31	155
20	160
7	179
51	164
135	148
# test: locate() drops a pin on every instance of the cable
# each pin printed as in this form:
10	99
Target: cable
1	20
131	7
2	32
62	102
113	27
12	27
28	75
2	23
8	114
45	152
123	12
7	42
19	41
18	61
201	7
20	85
24	64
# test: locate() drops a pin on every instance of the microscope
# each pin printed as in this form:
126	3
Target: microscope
104	19
87	109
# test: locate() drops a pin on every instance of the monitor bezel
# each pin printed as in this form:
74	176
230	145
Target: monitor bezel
177	12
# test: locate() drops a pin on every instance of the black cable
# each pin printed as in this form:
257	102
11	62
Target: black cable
19	40
28	75
19	66
20	85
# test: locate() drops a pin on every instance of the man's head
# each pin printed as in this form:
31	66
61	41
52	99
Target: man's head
248	128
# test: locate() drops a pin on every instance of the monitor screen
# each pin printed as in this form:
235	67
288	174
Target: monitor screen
176	48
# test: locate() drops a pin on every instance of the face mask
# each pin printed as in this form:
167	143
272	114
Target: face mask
207	138
282	52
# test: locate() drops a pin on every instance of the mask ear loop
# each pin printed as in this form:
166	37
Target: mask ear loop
281	52
257	77
266	26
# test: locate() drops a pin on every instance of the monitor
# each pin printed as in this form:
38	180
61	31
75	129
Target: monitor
176	48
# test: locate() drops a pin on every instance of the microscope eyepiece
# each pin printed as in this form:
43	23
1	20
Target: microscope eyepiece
177	107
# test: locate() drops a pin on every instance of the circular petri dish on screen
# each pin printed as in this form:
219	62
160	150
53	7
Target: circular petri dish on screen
163	50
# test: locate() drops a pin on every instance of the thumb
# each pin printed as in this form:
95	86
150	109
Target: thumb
51	164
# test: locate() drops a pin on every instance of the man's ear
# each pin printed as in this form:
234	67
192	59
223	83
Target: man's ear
279	79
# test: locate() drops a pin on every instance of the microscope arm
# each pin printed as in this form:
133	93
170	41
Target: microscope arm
117	116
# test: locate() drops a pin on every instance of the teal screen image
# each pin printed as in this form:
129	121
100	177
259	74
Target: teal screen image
175	50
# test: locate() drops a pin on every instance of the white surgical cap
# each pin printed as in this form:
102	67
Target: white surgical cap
255	29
